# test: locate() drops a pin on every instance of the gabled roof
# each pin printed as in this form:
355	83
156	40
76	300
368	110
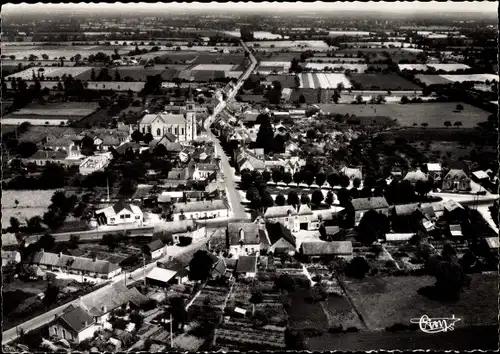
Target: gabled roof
48	155
369	203
155	245
492	242
251	235
279	211
122	205
164	118
102	302
320	248
76	318
480	174
277	231
161	274
76	263
456	174
246	264
415	176
406	209
200	206
451	205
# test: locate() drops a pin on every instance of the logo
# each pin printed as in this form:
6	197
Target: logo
435	325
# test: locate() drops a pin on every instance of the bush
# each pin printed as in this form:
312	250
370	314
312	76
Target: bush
336	329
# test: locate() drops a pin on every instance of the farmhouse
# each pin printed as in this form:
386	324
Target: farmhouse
74	325
119	214
76	265
245	238
362	205
200	210
456	181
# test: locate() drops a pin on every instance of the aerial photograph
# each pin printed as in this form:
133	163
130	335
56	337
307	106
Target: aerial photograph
183	177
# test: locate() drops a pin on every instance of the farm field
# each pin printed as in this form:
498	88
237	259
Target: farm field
256	34
348	33
277	56
78	109
449	67
378	44
310	94
331	66
432	79
115	85
210	67
50	72
433	113
385	301
31	203
287	81
410	67
289	44
342	60
323	80
382	82
471	77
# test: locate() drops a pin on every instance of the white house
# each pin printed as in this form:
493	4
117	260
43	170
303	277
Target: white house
155	249
94	163
295	219
245	238
246	266
74	325
120	213
204	170
200	210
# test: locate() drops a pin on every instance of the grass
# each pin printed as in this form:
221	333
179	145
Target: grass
434	113
432	79
383	82
339	312
390	300
303	315
31	203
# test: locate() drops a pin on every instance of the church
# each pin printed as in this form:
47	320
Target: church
182	125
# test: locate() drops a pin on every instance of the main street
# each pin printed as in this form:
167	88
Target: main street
234	198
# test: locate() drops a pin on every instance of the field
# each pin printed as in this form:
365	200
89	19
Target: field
256	34
318	59
410	67
310	94
471	77
385	301
192	57
378	44
382	82
348	33
288	81
323	80
433	79
50	72
210	67
31	203
277	56
434	114
360	68
449	67
72	109
116	86
288	44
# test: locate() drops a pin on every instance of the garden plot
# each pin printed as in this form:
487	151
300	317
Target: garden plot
471	77
50	72
31	203
323	80
449	67
213	67
337	66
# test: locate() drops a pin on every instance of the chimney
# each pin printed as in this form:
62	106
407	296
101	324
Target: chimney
94	258
86	323
42	250
60	254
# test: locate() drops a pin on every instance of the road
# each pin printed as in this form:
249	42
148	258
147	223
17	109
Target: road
237	209
136	275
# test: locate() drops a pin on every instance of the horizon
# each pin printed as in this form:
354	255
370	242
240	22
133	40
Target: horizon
355	6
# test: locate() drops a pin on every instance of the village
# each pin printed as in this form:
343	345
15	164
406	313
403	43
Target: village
217	192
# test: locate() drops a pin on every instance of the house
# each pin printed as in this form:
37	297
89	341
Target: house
295	218
182	126
362	205
434	171
416	176
250	162
10	257
178	176
195	235
398	237
219	267
161	277
119	214
480	176
44	157
154	249
454	211
280	239
94	163
90	267
291	147
74	325
319	249
200	210
245	238
492	244
170	196
456	231
352	173
9	240
246	266
203	171
457	181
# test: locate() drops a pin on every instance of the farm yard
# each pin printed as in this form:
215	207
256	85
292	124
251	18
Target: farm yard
432	113
389	81
31	203
322	80
336	66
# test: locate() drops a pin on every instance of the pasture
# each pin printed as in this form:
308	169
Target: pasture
433	113
50	72
323	80
432	79
337	66
288	44
449	67
385	301
471	77
377	81
31	203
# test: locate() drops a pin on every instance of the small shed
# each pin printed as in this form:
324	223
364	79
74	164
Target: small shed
160	277
456	231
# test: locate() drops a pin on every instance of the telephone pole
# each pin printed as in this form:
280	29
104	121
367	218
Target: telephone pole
144	268
171	336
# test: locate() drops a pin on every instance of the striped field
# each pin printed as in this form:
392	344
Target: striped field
323	80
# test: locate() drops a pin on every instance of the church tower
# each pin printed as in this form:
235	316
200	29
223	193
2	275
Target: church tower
190	115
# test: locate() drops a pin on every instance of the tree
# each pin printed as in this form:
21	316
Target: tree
292	198
266	199
110	240
34	224
358	99
372	226
200	266
266	175
26	149
277	176
298	177
73	241
287	178
92	75
148	137
255	298
356	182
253	196
280	199
333	179
317	197
344	181
404	100
329	198
46	242
459	107
265	136
160	150
87	146
14	224
308	177
357	268
422	188
320	179
458	124
117	76
53	219
447	124
304	198
51	293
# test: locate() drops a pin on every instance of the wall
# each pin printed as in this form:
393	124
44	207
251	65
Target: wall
87	333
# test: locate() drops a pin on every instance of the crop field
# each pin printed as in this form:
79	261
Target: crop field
310	94
471	77
289	44
277	56
288	81
360	68
410	67
50	72
59	109
378	44
341	60
135	73
433	79
115	85
385	301
348	33
322	80
31	203
433	113
256	34
51	53
382	82
449	67
213	67
185	57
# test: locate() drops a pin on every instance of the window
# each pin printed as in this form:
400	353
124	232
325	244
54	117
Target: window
182	131
286	219
122	216
176	131
137	217
112	219
149	129
158	132
127	216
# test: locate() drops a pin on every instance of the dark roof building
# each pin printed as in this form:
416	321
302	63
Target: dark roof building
246	264
370	203
337	248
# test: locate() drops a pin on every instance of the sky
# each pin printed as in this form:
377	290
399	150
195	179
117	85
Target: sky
400	7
